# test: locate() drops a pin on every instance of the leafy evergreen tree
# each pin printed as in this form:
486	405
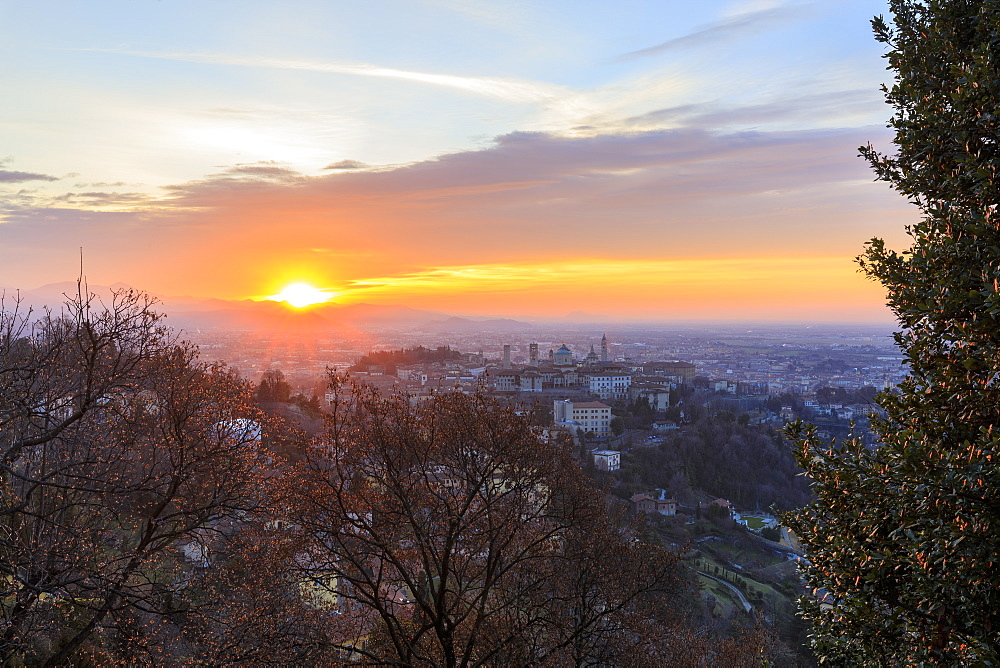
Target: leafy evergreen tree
906	537
617	426
273	387
390	359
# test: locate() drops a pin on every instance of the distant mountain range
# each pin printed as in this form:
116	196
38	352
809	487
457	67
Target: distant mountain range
189	313
461	325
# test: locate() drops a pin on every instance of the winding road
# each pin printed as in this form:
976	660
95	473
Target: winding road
743	599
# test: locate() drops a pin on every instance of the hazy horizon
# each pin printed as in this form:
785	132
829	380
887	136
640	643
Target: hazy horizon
53	295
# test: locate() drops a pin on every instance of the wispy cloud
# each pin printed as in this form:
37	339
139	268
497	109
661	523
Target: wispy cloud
102	200
566	273
513	90
728	28
833	107
345	164
7	176
267	170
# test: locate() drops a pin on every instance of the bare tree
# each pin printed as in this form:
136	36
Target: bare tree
449	535
115	448
252	607
428	533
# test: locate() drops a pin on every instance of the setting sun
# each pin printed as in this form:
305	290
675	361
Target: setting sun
300	295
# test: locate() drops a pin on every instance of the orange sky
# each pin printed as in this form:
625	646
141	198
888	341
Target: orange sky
601	160
683	224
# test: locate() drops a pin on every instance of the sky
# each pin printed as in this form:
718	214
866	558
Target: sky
659	159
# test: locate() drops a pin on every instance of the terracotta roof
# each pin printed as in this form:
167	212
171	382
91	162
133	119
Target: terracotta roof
589	404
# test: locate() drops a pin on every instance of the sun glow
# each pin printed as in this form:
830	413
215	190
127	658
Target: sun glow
301	295
759	288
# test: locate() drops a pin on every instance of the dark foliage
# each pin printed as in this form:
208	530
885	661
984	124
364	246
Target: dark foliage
447	535
751	467
905	537
116	448
388	360
840	395
273	387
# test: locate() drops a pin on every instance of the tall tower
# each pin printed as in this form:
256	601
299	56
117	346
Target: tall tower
604	348
533	354
506	357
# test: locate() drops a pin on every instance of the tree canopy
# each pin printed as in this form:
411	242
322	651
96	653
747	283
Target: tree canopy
751	467
273	387
904	537
145	520
390	359
445	534
116	448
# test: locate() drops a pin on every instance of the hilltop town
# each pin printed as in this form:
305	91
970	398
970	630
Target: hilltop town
810	370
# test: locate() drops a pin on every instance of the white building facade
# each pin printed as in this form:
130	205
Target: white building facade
610	386
588	415
607	460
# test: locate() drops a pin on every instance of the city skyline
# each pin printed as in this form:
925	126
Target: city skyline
477	158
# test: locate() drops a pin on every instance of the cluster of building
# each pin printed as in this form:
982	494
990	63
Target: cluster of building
595	374
573	385
746	365
577	387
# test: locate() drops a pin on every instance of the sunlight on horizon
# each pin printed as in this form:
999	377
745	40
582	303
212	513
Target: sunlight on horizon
777	288
301	295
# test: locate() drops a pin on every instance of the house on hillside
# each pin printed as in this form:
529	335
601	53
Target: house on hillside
644	503
666	506
720	503
665	425
607	460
